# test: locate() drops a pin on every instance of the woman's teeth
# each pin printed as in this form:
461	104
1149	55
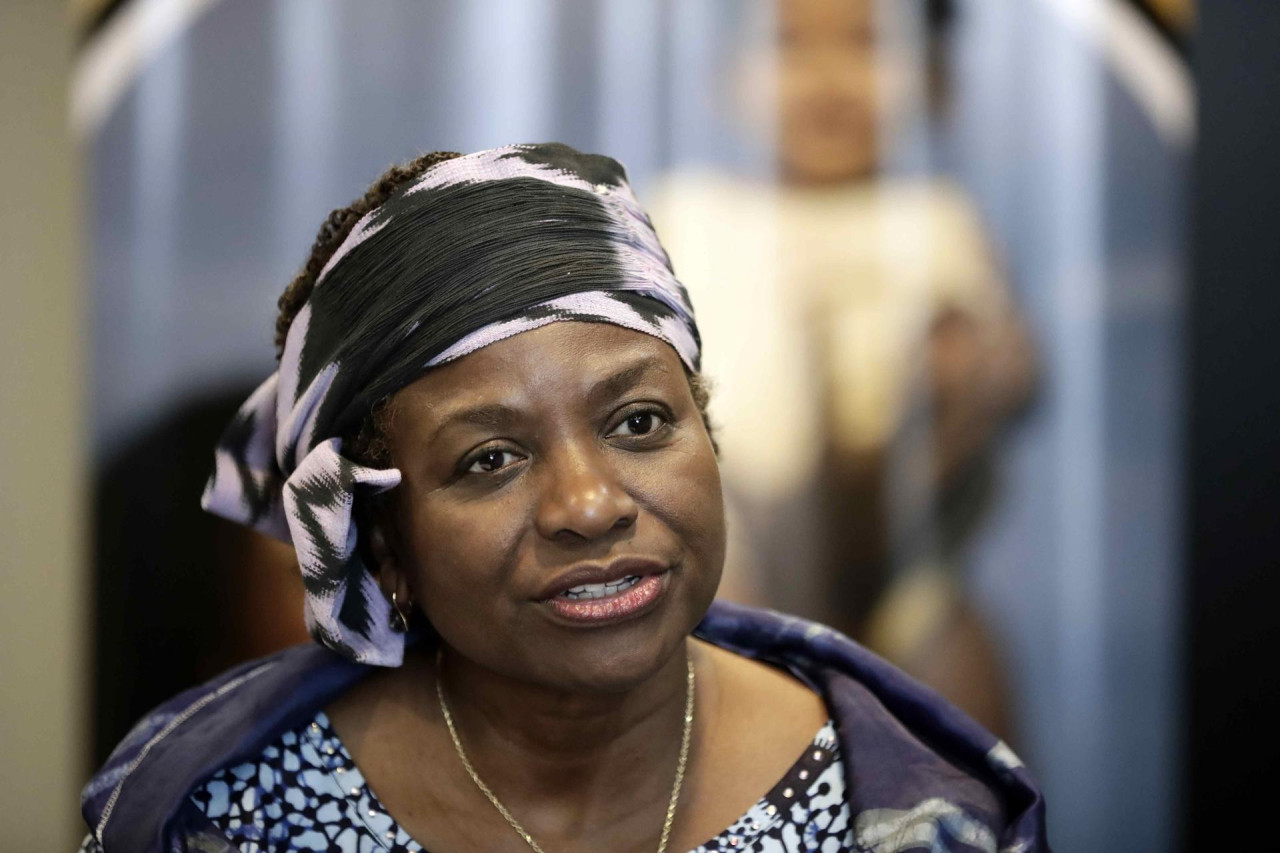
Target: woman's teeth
600	590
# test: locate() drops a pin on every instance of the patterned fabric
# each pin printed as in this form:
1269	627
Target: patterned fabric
918	774
304	793
806	810
477	249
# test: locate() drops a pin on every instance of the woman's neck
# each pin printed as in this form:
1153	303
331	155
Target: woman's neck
559	740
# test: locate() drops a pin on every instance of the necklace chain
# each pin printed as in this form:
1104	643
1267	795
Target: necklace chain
685	737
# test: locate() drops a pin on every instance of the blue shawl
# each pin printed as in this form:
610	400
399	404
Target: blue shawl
920	774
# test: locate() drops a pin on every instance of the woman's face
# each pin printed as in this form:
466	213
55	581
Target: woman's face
560	519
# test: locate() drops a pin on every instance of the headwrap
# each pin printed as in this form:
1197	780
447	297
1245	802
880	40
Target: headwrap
475	250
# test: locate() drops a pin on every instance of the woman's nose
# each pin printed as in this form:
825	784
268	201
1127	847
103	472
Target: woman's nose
582	498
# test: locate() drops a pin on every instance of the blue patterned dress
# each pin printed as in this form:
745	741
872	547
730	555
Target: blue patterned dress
305	793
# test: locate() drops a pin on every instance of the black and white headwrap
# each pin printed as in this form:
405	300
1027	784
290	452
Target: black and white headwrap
475	250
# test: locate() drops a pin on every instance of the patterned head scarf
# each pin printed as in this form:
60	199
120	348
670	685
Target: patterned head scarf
475	250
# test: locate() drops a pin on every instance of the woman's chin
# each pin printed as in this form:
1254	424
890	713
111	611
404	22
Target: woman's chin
615	661
611	671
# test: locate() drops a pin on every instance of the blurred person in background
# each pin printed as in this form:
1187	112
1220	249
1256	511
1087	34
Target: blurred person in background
865	348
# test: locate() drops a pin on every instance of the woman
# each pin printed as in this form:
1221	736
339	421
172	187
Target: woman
486	442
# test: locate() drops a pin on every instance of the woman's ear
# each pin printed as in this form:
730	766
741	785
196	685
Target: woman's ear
383	548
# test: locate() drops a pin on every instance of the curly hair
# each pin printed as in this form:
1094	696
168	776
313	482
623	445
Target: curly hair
368	444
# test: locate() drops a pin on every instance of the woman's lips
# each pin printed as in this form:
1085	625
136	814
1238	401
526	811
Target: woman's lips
626	603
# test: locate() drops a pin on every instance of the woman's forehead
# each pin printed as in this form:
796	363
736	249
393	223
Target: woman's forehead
589	360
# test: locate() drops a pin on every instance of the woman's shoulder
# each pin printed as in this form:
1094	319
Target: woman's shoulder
145	782
913	762
303	792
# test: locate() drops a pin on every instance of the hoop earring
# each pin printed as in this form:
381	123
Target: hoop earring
399	621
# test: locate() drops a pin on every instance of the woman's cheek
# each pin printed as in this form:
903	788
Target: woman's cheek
688	495
463	544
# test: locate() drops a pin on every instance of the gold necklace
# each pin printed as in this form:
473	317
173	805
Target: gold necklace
515	824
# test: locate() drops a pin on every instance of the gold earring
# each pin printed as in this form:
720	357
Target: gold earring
399	621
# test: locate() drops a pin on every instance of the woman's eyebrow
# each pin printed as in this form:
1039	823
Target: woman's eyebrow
626	378
487	415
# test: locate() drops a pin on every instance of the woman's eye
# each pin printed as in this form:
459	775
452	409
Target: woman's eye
639	423
490	461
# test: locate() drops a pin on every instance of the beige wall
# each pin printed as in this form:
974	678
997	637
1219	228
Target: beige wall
43	594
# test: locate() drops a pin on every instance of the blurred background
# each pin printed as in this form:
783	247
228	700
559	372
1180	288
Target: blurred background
988	297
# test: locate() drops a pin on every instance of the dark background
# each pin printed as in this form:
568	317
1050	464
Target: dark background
1233	494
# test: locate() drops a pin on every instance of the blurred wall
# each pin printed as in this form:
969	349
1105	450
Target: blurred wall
43	601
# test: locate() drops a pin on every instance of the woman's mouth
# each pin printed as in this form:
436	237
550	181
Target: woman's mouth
591	591
606	602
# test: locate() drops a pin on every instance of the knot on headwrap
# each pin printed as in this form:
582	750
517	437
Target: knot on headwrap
474	250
